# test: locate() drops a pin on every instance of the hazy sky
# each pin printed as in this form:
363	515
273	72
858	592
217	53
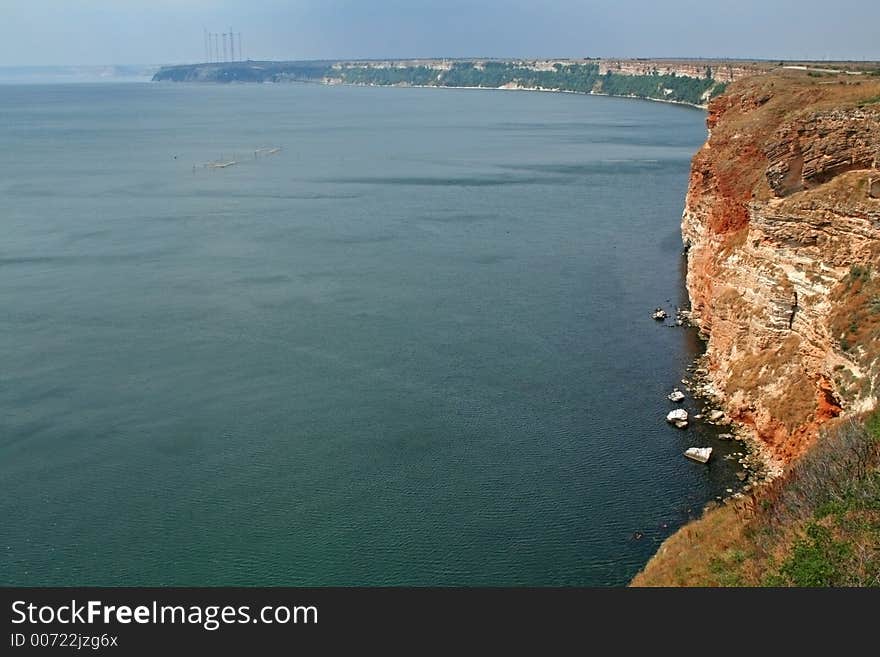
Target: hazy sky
44	32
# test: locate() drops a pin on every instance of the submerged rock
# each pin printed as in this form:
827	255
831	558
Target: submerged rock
659	314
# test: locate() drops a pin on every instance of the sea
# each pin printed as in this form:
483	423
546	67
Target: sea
401	337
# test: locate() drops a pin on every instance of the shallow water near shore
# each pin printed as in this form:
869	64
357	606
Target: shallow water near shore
414	346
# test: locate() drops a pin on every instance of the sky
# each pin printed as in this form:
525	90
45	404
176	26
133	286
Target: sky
151	32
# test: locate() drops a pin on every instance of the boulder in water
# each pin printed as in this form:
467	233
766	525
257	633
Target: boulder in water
699	454
678	417
675	396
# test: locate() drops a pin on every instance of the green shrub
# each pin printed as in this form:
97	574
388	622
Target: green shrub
816	560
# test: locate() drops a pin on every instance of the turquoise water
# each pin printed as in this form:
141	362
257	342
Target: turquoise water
413	347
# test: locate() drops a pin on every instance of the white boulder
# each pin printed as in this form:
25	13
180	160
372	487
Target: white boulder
700	454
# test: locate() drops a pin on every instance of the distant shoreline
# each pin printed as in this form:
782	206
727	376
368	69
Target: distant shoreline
538	89
438	86
680	82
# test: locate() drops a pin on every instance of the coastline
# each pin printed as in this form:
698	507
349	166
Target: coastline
760	462
777	235
509	88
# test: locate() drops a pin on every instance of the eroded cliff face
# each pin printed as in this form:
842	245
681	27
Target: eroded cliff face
783	239
721	71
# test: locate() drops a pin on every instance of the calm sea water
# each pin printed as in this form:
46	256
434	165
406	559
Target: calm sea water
413	347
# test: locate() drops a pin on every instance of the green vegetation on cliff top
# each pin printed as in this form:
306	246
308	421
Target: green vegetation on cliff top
573	77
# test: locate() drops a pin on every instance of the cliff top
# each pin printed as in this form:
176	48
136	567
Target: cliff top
757	108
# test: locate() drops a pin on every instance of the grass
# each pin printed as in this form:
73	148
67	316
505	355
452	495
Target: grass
818	525
859	273
841	545
856	317
869	101
816	560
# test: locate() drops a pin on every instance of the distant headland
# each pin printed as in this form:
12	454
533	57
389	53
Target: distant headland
686	81
692	82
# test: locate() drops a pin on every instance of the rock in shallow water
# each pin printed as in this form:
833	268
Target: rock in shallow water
675	396
678	417
700	454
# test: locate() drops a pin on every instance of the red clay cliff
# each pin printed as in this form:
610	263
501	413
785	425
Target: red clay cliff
783	236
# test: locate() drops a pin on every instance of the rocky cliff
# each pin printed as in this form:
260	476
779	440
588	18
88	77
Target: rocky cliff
692	82
782	231
720	70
